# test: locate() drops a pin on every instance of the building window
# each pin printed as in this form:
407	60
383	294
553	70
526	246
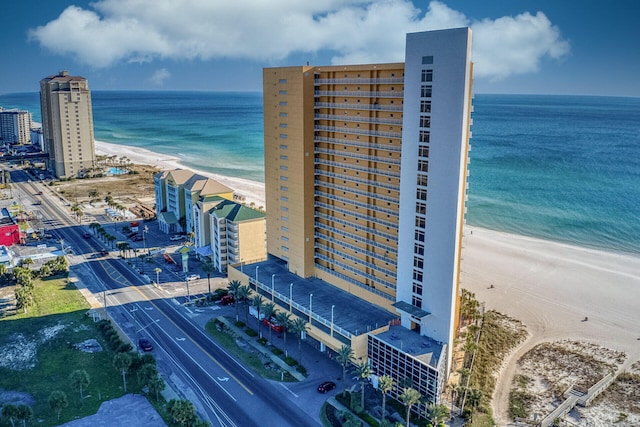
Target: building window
283	188
284	209
417	275
284	218
416	301
422	180
284	238
427	60
425	91
423	165
423	151
283	147
427	75
425	106
421	194
284	178
424	136
283	103
418	249
420	222
284	125
418	262
417	288
282	92
284	198
282	81
425	122
283	157
283	114
421	208
284	248
284	136
419	235
285	229
284	168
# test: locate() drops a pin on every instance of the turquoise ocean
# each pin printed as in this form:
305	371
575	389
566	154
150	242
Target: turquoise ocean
560	168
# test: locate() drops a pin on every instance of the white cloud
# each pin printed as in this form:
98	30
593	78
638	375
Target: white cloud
159	76
352	31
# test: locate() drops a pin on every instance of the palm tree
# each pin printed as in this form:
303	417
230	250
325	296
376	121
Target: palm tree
299	327
269	310
474	399
25	413
158	270
156	385
284	319
79	381
208	268
385	384
258	301
10	411
243	294
436	414
121	362
344	358
233	287
58	401
410	396
363	373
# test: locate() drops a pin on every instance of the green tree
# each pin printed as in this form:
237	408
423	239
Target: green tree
243	294
79	381
344	358
269	310
25	413
410	396
299	327
208	268
156	385
94	195
258	302
182	411
474	397
58	401
24	297
233	287
284	319
385	384
121	362
146	373
363	374
436	414
11	412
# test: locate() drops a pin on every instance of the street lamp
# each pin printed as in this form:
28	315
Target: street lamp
290	298
273	286
187	281
145	230
257	267
310	307
332	307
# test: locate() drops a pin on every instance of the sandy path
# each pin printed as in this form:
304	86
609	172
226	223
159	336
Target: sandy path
551	287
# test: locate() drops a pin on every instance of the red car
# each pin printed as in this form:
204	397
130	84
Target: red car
271	323
326	386
227	300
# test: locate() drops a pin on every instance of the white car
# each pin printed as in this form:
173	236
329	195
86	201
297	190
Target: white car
176	237
193	277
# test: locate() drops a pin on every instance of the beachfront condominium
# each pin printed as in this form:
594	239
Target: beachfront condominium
67	124
15	127
366	176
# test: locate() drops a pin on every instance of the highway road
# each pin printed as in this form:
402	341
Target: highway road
224	392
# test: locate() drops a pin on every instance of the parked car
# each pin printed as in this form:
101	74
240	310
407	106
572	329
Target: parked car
132	234
193	277
145	344
227	300
326	386
270	322
86	235
137	238
176	238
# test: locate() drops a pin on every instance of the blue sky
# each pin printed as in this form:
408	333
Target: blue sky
583	47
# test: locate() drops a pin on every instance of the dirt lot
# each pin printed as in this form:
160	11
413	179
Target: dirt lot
128	189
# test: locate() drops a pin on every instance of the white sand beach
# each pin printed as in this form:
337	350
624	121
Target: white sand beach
253	191
550	287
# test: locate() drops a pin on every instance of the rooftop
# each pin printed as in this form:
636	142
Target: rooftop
421	347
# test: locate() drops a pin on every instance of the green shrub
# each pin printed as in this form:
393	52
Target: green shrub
262	341
240	324
290	361
251	332
276	351
301	369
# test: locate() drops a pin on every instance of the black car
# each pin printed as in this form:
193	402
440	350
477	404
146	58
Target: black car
146	345
86	235
104	252
326	386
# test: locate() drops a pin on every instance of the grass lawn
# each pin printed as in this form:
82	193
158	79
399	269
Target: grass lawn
37	355
249	359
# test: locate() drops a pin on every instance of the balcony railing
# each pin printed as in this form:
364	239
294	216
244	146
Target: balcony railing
358	119
320	172
337	209
367	194
340	232
358	106
356	131
368	206
360	261
357	283
356	81
355	270
362	93
351	143
355	248
373	171
351	155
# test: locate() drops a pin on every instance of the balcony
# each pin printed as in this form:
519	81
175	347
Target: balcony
356	131
358	81
320	172
363	107
351	155
361	93
358	119
372	171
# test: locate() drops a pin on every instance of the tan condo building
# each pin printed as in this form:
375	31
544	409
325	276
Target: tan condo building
366	177
67	124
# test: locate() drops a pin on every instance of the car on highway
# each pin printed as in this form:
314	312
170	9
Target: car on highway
271	322
39	193
193	277
104	252
227	300
145	344
326	386
86	235
176	238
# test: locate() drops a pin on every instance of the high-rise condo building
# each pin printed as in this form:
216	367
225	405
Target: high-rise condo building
67	124
15	126
366	176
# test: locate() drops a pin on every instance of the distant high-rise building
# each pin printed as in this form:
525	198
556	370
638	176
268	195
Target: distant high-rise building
366	177
67	124
15	127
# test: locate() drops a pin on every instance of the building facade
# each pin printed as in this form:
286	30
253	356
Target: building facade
365	173
67	124
15	127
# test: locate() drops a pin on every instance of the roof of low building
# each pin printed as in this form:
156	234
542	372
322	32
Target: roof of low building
235	212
